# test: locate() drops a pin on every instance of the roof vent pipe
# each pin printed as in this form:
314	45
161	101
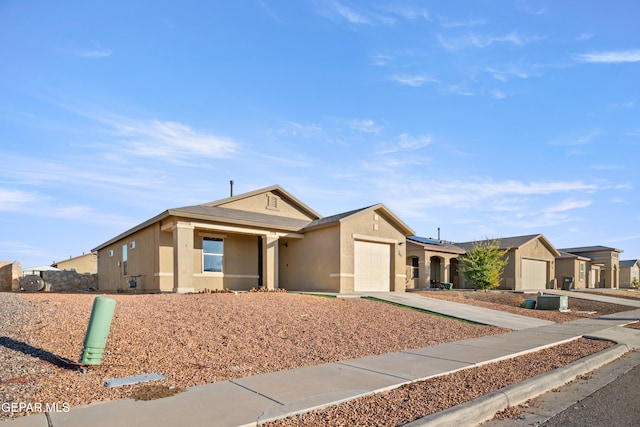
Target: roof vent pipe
438	233
231	188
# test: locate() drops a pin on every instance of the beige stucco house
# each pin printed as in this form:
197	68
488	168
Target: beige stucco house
432	261
264	238
629	271
85	263
579	270
605	265
530	262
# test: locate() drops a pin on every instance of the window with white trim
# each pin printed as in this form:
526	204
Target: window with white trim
212	254
125	257
581	271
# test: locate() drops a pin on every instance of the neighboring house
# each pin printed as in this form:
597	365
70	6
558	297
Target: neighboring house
83	264
264	238
530	262
629	270
575	271
432	261
604	260
38	270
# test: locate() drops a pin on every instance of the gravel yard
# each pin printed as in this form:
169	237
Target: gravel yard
197	339
510	302
410	402
202	338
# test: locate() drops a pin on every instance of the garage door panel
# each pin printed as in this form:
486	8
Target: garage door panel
534	274
372	266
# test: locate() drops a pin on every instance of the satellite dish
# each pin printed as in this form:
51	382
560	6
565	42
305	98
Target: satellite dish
32	283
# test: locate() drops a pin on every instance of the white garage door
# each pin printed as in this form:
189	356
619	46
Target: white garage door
372	266
534	274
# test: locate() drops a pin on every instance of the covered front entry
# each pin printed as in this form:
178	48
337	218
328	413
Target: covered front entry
372	268
534	274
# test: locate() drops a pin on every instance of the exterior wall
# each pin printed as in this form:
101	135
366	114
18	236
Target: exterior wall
610	273
373	227
140	262
570	267
260	203
240	263
313	262
10	273
87	263
447	271
627	274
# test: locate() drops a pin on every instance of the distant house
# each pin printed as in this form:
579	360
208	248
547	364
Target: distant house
85	263
263	238
605	263
575	271
629	270
432	261
530	262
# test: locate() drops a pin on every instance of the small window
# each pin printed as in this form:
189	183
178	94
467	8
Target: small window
73	269
132	245
111	252
212	254
582	271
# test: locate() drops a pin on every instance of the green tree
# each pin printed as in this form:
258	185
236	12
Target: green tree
483	265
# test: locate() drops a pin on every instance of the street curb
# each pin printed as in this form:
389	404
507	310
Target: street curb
483	408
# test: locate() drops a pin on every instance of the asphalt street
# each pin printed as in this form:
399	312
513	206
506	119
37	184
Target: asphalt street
615	405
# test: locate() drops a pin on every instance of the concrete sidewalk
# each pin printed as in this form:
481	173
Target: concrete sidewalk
461	311
256	399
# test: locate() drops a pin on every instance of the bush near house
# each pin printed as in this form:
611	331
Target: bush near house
484	264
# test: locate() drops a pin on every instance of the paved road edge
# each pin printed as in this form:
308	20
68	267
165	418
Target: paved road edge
483	408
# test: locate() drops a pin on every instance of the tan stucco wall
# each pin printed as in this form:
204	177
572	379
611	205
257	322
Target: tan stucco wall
627	274
571	268
610	274
142	260
87	263
447	271
372	226
258	203
311	263
536	250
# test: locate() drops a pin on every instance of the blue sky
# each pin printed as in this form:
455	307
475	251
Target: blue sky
483	118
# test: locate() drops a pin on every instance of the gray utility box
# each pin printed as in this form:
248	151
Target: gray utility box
553	302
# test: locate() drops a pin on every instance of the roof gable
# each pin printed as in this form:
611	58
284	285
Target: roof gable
272	200
629	263
515	242
380	208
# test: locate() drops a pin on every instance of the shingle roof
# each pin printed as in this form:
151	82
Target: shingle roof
567	255
237	216
583	249
333	218
628	262
504	243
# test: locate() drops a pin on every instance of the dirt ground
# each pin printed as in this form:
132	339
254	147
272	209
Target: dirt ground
510	302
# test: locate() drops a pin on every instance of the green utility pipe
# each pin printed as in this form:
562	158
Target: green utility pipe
98	330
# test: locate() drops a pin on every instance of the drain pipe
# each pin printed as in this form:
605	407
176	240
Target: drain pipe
98	330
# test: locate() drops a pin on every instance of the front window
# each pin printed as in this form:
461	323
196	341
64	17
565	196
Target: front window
582	271
415	268
212	254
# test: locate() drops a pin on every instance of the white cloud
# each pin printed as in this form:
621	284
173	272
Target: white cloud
507	74
350	15
483	41
97	51
611	57
170	140
416	80
12	200
470	22
567	205
584	36
366	126
583	139
406	142
498	94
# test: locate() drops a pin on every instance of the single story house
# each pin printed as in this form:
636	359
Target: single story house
530	262
83	264
629	271
608	261
576	271
432	261
267	238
